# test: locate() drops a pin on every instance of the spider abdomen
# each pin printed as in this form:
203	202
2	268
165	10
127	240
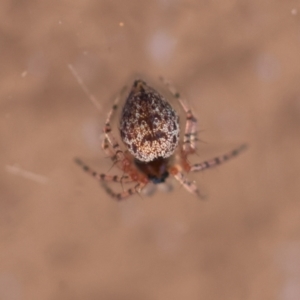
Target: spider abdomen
149	125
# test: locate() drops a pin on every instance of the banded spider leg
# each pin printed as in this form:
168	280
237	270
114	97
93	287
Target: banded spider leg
113	149
189	146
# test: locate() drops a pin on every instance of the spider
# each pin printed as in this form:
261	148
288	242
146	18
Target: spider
149	128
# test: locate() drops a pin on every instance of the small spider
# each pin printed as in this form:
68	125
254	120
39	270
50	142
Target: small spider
149	128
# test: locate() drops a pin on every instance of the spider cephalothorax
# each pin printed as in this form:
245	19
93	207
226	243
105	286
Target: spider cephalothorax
156	170
149	128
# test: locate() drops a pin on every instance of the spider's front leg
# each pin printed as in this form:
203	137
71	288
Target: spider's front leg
103	177
125	194
217	160
190	186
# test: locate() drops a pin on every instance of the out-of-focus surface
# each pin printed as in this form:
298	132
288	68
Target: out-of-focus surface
62	237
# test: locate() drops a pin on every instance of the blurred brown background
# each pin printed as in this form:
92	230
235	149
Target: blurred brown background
62	237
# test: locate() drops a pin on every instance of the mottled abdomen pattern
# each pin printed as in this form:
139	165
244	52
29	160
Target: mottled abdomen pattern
149	125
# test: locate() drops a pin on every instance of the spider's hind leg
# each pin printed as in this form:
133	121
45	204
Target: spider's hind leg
190	132
109	138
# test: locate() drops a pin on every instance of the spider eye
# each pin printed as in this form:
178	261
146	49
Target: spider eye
161	179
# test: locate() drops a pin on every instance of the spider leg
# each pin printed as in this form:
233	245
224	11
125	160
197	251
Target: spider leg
190	133
103	177
150	189
190	186
217	160
109	152
109	138
120	196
